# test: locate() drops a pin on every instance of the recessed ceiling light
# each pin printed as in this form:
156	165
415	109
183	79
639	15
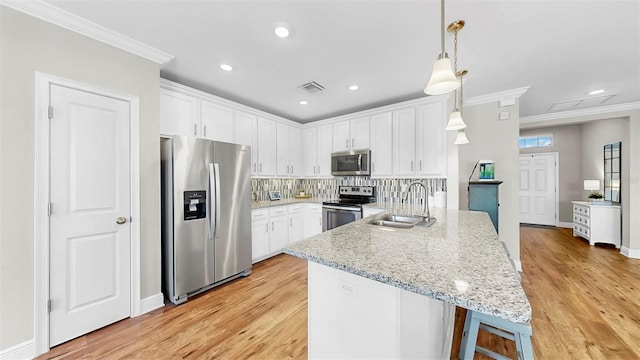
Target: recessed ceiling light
303	102
596	92
353	87
281	29
226	67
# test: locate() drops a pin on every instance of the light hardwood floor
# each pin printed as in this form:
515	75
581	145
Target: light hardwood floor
585	300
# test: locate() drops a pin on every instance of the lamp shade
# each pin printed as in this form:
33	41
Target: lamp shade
461	138
592	185
443	80
455	121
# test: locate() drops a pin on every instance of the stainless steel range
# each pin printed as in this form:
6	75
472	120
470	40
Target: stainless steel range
348	207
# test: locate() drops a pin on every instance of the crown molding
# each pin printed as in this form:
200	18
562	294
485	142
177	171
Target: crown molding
67	20
496	97
600	110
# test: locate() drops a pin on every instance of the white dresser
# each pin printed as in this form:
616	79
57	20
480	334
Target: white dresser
597	223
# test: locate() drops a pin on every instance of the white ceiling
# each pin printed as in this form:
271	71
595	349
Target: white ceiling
561	49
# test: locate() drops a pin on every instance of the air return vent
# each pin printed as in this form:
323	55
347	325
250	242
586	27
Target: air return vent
311	88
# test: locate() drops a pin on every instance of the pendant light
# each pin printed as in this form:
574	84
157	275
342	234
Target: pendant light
455	118
443	79
461	138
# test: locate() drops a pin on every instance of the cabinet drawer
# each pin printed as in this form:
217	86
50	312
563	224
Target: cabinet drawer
278	210
259	214
581	231
581	220
582	210
294	209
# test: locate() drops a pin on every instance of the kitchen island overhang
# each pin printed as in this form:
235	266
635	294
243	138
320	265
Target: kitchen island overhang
459	261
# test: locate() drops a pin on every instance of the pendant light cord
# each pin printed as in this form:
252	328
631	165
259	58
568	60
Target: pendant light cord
442	27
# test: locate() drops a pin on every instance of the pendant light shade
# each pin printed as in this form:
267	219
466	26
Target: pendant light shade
461	139
455	121
443	79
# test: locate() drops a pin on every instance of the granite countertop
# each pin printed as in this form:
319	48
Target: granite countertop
255	204
459	259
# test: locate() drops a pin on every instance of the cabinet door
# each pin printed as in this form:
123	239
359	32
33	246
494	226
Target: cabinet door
404	142
245	134
283	166
341	138
310	159
324	150
178	114
217	122
279	233
259	238
432	145
266	147
295	153
381	145
295	228
359	131
312	220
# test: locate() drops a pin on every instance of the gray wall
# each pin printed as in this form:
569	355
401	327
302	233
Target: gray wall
492	139
567	142
28	45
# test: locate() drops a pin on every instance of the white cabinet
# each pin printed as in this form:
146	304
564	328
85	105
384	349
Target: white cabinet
431	147
351	134
381	145
317	150
296	222
259	234
597	223
216	121
266	147
312	220
178	114
404	142
245	129
288	150
279	227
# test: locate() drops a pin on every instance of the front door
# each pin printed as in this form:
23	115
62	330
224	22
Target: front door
538	189
90	236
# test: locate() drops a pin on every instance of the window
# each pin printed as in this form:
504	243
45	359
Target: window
535	141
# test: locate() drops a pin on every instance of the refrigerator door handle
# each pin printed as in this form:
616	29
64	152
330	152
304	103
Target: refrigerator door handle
212	195
217	213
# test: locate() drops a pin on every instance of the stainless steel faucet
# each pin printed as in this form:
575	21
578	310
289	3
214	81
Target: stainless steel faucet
425	200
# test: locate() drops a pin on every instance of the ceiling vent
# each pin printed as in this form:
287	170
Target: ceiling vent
580	103
311	88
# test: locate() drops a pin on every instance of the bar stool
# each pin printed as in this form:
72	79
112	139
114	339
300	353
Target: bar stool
520	333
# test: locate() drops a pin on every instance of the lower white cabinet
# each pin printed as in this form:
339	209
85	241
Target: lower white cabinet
312	220
597	223
296	222
259	234
279	227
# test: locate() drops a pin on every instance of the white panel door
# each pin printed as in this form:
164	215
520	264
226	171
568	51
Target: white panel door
341	138
266	147
310	159
283	165
381	145
325	139
404	142
538	189
360	133
295	151
89	226
217	122
178	114
245	134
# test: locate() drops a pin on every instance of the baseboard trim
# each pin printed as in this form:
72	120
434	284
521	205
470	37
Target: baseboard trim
518	264
563	224
630	253
25	350
151	303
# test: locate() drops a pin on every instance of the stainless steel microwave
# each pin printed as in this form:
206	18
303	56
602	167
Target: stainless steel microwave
351	163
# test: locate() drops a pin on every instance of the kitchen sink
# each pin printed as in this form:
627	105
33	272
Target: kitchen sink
403	221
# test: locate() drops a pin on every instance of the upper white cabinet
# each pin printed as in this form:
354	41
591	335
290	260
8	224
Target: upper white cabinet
288	150
266	147
432	140
317	142
351	134
216	121
178	114
404	142
381	145
246	133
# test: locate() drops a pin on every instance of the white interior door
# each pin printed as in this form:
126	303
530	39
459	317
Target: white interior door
538	189
90	234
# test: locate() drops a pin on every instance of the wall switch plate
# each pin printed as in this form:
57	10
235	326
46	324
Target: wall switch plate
504	115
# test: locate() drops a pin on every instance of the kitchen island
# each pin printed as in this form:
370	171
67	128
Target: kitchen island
383	292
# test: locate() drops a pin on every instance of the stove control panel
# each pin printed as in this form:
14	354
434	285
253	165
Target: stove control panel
357	190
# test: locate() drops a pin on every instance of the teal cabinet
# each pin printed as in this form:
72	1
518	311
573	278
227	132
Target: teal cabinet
483	196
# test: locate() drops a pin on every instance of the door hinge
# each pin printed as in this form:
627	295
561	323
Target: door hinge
48	209
49	305
50	112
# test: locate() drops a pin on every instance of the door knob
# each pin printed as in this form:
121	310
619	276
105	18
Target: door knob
121	220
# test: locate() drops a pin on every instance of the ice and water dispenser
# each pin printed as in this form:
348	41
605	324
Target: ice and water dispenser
195	205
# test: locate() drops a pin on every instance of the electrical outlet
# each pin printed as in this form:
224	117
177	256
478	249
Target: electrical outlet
504	115
349	289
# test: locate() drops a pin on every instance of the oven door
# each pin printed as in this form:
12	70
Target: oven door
334	216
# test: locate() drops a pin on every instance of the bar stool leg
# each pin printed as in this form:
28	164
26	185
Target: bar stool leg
469	349
525	346
465	331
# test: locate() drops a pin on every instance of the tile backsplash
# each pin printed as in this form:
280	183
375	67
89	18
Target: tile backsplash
388	190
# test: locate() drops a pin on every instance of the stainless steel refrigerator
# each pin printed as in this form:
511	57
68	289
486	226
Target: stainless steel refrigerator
206	214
